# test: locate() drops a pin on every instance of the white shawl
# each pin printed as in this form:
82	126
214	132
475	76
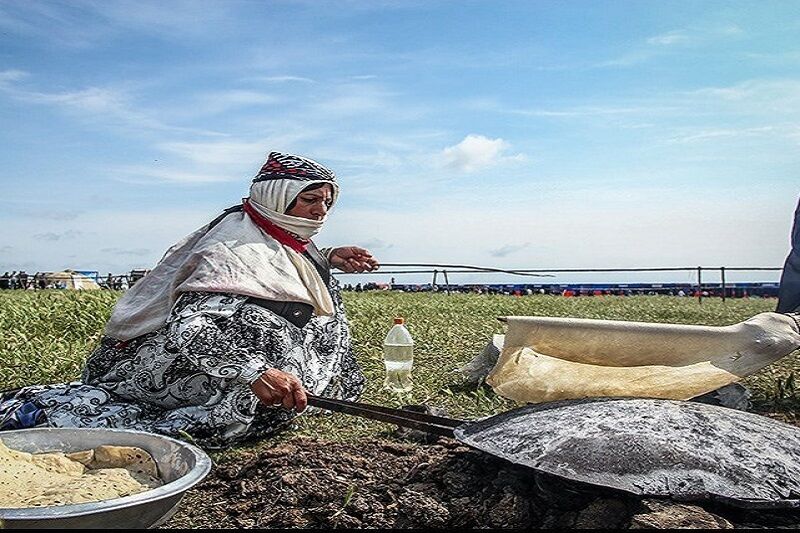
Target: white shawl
234	256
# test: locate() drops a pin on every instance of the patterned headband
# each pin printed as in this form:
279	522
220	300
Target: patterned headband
287	166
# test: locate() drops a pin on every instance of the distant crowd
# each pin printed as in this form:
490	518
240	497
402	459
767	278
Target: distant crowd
116	283
47	280
23	280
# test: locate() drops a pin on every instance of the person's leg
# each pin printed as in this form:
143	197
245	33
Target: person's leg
789	292
19	414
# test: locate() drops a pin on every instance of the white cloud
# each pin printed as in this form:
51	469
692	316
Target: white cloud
281	79
670	38
709	134
233	154
375	244
794	133
731	29
781	58
592	111
12	76
784	90
361	101
196	162
508	249
85	23
109	106
90	100
145	175
475	152
599	110
758	106
123	251
351	100
53	236
180	19
221	101
628	59
35	209
658	45
217	153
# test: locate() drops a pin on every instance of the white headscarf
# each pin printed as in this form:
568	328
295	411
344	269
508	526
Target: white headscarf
233	256
271	198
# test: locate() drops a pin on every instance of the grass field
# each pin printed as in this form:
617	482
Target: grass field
47	335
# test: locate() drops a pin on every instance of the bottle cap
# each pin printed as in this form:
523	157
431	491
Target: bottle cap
399	320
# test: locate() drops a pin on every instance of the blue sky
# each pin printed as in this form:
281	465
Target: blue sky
512	134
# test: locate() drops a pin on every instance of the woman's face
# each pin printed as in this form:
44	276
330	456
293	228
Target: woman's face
313	204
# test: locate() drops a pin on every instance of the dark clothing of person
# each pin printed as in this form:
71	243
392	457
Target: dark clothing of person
789	292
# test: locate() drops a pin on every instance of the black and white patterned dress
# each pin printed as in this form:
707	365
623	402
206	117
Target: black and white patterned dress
193	374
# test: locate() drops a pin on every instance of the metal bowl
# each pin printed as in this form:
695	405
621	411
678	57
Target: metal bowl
180	466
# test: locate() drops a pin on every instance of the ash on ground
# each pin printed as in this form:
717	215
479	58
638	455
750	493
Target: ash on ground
311	483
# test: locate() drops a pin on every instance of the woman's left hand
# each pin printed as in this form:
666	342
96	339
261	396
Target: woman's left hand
353	259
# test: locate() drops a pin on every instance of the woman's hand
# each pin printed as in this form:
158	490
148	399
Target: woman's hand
277	388
353	259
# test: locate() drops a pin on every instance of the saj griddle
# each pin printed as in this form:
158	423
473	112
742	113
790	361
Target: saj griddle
685	451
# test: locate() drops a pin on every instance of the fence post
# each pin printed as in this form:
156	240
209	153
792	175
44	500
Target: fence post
724	287
699	284
433	283
446	282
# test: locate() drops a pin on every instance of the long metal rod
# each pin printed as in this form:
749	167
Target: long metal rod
470	268
577	270
537	272
436	425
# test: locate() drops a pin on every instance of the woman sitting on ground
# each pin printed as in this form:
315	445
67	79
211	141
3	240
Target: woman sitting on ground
222	339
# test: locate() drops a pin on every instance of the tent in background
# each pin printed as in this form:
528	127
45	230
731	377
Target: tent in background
94	275
69	279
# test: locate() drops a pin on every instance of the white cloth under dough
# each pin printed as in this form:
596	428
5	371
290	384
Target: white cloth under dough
546	359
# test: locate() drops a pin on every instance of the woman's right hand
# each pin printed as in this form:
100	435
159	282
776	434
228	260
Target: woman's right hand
353	259
277	388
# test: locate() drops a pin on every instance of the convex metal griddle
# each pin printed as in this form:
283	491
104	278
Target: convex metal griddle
686	451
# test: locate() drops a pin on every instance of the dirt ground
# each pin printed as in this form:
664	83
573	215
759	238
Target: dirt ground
311	483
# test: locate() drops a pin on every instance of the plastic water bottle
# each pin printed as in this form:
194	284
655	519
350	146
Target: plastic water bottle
398	355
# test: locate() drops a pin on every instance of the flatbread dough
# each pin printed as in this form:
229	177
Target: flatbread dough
137	461
546	359
40	480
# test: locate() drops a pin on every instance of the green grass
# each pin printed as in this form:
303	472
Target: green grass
47	336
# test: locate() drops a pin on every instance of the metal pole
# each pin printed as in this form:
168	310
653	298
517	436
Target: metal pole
446	282
433	283
699	285
722	277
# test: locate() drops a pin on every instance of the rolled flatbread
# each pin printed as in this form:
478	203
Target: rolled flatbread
546	359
